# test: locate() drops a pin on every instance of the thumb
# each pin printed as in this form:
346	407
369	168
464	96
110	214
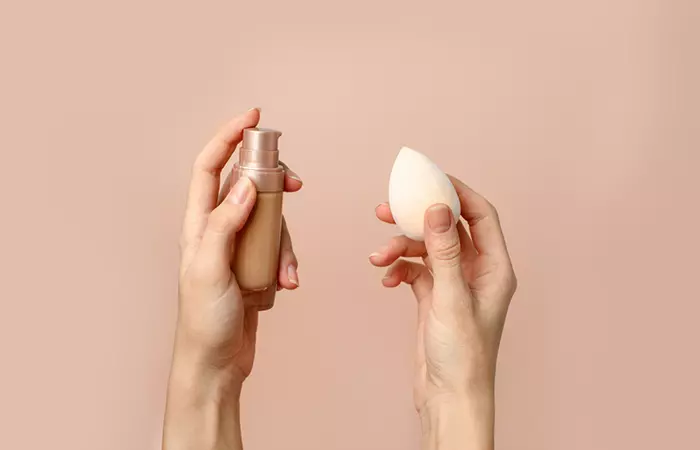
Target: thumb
442	243
223	223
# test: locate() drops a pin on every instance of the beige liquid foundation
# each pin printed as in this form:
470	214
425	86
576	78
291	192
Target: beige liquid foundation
257	246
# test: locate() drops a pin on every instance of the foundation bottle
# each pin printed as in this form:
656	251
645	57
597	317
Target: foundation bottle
257	246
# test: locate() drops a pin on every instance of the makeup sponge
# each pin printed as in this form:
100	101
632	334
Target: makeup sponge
415	184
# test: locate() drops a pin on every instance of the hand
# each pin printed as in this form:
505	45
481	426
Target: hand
215	335
463	288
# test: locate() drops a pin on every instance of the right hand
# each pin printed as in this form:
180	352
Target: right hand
215	326
463	288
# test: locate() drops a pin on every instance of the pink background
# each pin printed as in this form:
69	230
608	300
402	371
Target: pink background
578	119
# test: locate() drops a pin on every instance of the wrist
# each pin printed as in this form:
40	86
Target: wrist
203	404
459	422
202	423
196	372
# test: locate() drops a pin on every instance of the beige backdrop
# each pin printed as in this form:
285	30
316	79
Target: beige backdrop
578	119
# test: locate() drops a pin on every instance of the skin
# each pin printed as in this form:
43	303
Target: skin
215	335
463	287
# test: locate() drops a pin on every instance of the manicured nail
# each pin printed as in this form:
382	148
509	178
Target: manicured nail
439	218
379	253
291	174
292	274
241	190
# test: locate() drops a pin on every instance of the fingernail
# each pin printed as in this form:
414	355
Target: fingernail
292	274
241	190
293	175
253	109
439	218
381	252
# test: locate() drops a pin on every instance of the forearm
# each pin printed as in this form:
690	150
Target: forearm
463	423
203	408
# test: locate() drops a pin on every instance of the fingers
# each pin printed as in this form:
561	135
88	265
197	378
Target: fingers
288	277
443	244
414	274
383	212
202	197
225	187
398	247
250	324
482	217
227	219
292	182
469	253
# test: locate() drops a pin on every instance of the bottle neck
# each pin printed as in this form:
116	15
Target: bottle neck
259	159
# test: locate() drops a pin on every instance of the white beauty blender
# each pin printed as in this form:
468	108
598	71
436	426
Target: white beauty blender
415	184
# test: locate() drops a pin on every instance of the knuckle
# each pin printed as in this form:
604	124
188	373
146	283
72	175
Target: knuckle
447	250
287	256
405	271
286	242
286	246
510	282
219	220
399	268
492	210
513	282
204	273
399	243
199	164
194	277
